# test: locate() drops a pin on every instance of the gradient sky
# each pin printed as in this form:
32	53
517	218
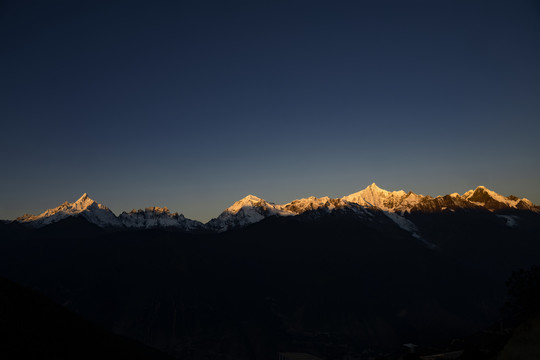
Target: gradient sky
194	106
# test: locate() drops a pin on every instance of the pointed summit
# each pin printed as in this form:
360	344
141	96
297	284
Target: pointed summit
374	189
377	197
93	212
84	199
480	192
85	202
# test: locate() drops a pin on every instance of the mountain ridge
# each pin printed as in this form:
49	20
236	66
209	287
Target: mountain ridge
426	268
252	209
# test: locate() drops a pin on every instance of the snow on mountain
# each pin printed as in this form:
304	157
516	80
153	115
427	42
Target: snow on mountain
374	196
390	202
248	210
408	226
156	217
490	200
252	209
450	202
325	203
399	201
89	209
395	204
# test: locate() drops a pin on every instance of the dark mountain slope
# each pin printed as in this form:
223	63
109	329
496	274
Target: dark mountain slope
320	283
34	327
495	243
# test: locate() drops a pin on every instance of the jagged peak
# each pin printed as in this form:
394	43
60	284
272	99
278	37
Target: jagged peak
254	208
157	209
85	206
83	198
83	202
305	203
309	199
152	209
373	186
374	190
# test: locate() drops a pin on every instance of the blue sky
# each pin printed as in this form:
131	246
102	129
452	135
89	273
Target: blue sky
195	106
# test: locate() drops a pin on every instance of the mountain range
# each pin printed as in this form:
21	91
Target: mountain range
335	277
396	205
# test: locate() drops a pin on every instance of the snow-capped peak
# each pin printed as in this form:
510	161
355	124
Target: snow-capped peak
373	187
479	190
374	196
83	198
250	200
84	202
299	206
157	217
84	206
249	210
491	200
